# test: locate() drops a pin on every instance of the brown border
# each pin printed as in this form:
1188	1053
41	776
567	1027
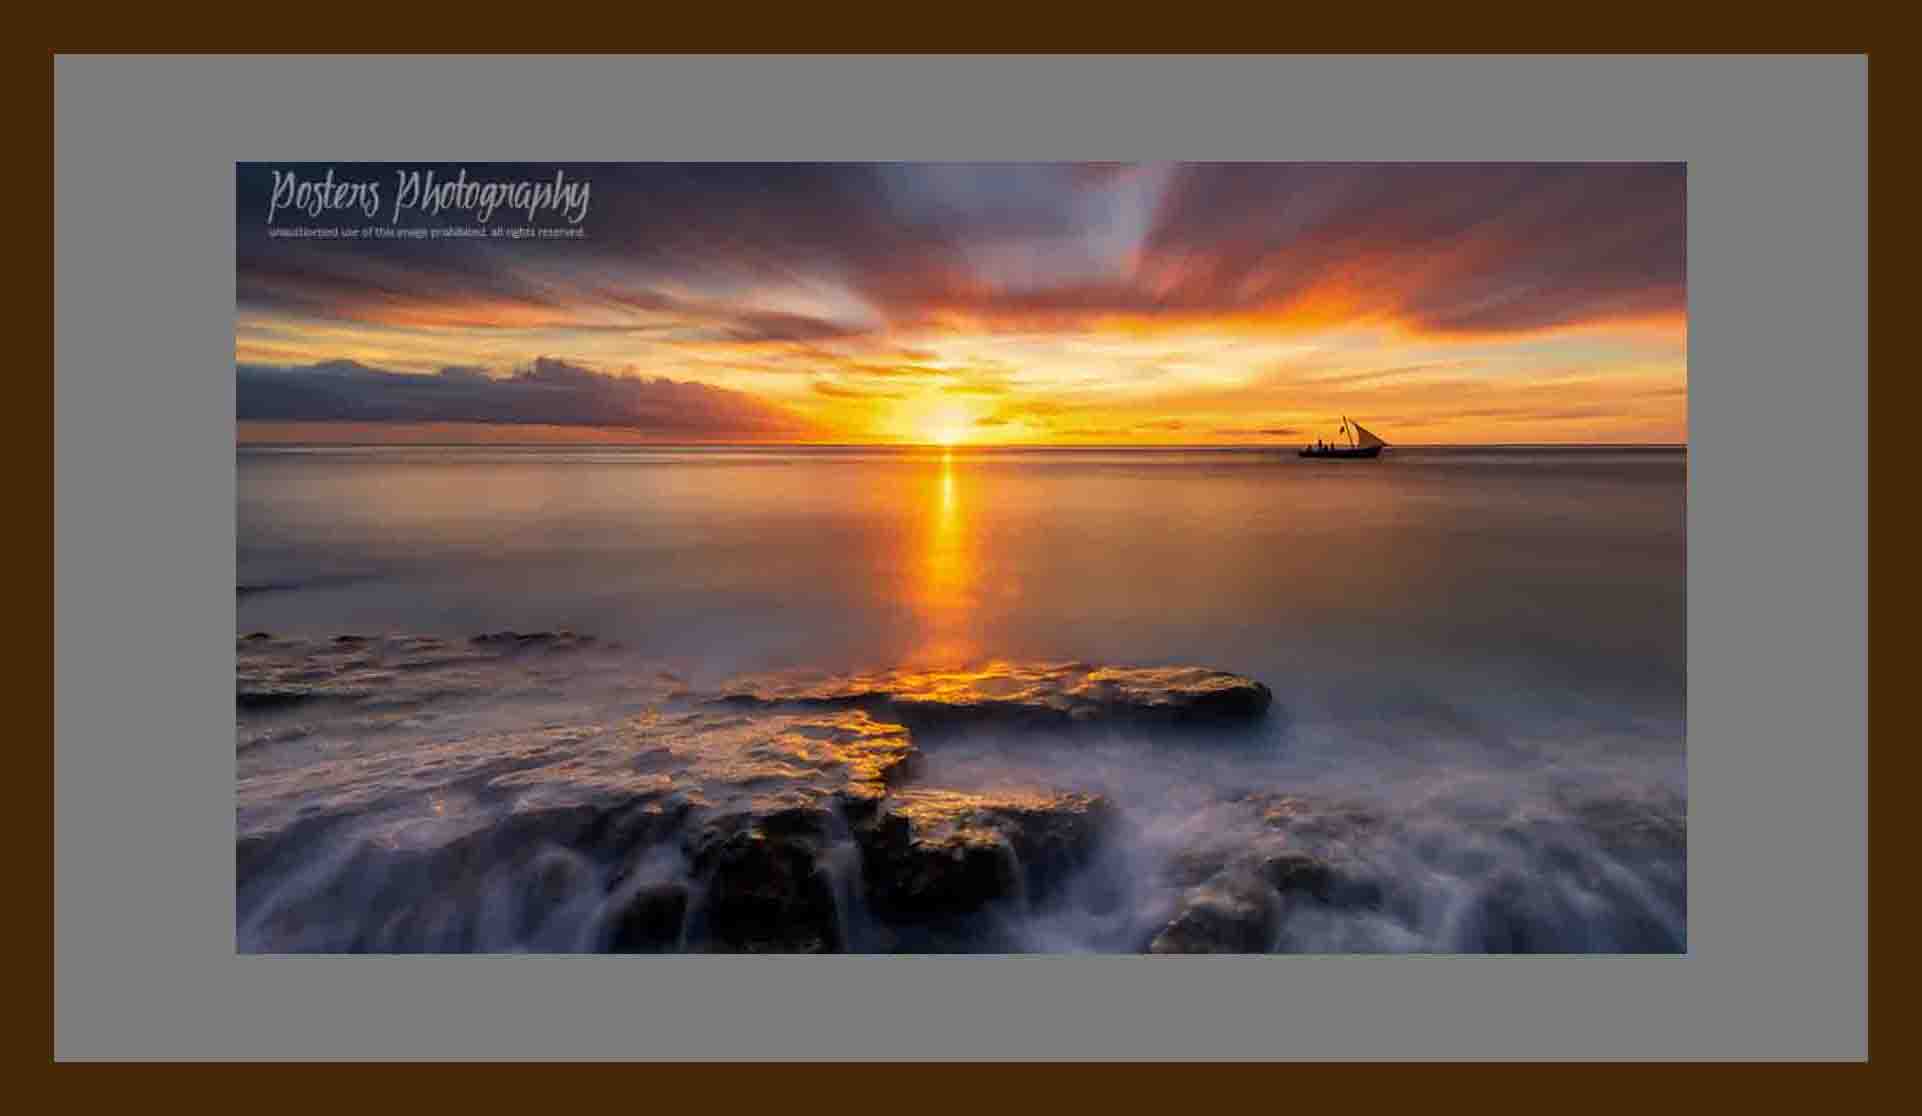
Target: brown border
34	445
32	475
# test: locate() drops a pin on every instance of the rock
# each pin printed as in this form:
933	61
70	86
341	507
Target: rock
520	641
649	920
1297	872
1232	912
721	765
405	673
401	808
259	699
767	887
591	784
935	854
1240	907
930	878
1018	695
1271	854
757	803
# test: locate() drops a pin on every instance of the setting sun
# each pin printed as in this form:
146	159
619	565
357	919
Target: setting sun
936	421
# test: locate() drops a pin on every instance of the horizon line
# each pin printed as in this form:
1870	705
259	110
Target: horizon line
243	443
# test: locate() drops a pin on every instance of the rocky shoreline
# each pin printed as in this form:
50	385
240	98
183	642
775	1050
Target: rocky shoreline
381	807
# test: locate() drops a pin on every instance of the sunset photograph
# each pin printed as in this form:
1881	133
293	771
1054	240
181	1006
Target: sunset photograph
1013	558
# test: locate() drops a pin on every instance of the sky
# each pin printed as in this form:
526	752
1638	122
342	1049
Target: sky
1104	304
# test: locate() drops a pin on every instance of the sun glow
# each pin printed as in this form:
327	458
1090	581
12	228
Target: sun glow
939	422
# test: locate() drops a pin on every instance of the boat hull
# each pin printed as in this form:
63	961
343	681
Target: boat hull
1343	453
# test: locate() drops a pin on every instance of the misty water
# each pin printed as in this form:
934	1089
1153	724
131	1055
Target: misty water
1484	650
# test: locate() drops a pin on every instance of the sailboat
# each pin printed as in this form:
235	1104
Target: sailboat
1361	444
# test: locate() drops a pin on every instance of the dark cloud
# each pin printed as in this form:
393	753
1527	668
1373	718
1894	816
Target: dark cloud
1450	248
546	393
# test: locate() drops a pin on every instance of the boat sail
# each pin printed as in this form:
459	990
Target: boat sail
1363	444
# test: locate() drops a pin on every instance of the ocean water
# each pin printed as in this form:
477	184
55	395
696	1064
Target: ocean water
1487	645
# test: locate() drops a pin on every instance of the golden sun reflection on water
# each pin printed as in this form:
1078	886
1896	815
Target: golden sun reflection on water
946	591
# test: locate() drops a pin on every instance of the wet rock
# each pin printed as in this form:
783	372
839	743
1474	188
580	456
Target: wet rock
591	784
403	674
1234	911
257	699
720	765
936	877
757	803
627	813
1269	856
1021	695
1297	872
768	889
1238	902
1345	884
521	641
935	854
649	919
